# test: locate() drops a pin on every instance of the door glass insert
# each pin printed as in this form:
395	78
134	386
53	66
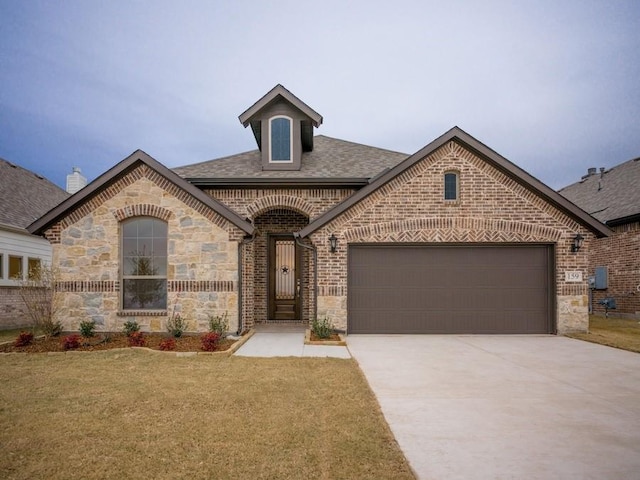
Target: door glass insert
285	269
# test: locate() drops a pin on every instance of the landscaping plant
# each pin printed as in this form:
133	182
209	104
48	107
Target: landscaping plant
210	341
136	339
71	342
168	344
24	339
43	301
87	328
130	326
322	328
219	324
176	325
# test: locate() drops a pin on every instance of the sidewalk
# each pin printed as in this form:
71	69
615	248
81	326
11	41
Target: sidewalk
272	340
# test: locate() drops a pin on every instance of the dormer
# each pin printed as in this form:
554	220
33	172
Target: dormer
283	127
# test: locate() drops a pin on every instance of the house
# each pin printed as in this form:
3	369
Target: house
452	239
613	197
24	196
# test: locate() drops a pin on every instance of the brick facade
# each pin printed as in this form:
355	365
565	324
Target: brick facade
621	254
13	311
491	208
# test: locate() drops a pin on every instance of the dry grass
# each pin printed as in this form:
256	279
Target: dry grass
614	332
137	415
11	335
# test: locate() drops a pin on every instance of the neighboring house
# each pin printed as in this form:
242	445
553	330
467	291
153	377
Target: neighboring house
613	197
24	197
452	239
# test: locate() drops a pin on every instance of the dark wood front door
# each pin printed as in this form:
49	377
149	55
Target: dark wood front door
284	278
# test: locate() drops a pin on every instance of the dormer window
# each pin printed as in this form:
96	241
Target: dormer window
281	137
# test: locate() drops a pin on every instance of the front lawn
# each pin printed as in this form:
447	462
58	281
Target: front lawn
132	414
614	332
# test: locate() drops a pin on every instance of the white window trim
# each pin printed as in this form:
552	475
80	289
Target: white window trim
278	162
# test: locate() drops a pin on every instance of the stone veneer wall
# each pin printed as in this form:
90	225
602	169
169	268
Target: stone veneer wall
491	208
621	253
202	272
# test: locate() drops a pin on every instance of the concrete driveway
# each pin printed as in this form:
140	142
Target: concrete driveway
507	407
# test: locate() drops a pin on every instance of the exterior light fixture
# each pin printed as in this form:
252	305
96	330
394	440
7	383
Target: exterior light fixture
333	243
577	243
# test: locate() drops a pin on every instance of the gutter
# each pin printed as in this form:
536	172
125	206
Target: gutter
297	238
245	241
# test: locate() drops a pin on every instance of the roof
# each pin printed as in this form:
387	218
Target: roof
613	196
120	170
25	195
330	160
496	160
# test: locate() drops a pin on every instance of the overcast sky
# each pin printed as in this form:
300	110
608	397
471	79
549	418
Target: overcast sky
554	86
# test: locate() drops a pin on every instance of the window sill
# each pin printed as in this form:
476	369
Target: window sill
142	313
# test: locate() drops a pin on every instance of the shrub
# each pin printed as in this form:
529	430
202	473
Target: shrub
210	341
168	344
322	328
130	326
176	325
24	339
87	328
41	298
219	324
136	339
71	342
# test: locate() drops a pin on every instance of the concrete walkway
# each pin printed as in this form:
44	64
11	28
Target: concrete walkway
272	340
508	407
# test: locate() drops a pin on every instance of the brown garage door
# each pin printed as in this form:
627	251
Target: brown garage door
450	289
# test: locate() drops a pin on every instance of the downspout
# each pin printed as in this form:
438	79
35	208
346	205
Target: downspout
296	235
245	241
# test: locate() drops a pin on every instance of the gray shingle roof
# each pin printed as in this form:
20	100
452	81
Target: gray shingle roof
609	196
330	158
25	196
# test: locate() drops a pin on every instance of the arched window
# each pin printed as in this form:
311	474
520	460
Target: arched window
144	264
280	137
451	186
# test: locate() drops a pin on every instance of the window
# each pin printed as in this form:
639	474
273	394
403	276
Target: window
15	267
33	266
280	135
451	186
144	264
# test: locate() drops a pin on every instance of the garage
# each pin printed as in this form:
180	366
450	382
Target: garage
456	289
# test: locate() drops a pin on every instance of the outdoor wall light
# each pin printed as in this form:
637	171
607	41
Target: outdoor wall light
333	243
577	243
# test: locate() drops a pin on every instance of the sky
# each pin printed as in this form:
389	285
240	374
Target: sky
553	86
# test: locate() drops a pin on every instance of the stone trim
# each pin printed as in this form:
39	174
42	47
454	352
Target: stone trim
142	313
142	210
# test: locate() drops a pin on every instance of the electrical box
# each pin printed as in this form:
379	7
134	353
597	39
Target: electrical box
602	278
592	282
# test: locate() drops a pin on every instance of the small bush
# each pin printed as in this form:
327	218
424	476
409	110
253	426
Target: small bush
130	326
176	325
168	344
136	339
210	341
51	328
24	339
87	328
219	324
322	328
71	342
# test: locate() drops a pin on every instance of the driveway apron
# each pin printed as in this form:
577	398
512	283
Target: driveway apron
508	407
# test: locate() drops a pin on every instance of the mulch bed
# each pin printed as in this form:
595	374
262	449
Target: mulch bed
333	338
186	343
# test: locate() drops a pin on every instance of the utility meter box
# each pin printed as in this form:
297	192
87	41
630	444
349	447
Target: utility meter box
601	278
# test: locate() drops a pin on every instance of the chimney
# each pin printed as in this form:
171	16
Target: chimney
75	180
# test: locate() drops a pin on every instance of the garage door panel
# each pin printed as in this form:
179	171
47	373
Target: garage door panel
449	289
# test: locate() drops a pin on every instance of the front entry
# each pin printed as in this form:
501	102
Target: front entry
284	278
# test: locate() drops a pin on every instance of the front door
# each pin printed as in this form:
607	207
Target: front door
284	278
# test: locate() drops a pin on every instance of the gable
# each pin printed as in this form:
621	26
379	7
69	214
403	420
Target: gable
138	165
484	175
